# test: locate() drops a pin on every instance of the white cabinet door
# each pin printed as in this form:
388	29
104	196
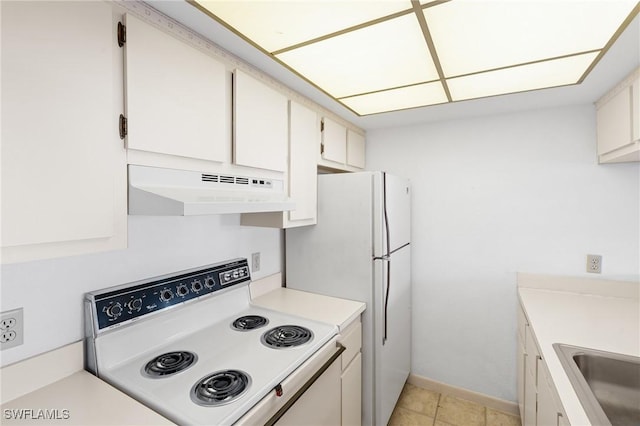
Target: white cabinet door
177	100
303	174
548	406
320	404
614	122
355	149
63	164
352	393
334	141
260	124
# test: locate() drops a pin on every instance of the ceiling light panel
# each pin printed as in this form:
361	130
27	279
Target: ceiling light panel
472	36
540	75
389	54
275	25
396	99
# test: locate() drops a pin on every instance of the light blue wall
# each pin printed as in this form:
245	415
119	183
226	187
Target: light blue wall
493	196
51	291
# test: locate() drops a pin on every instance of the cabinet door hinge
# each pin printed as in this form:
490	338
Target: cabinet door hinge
122	34
322	125
122	126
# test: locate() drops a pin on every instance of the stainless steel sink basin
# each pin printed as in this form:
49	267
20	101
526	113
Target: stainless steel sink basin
607	384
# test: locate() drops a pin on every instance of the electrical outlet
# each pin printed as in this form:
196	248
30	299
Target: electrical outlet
11	329
255	262
594	263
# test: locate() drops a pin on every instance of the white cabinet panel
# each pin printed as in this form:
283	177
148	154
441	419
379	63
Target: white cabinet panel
320	404
177	100
614	122
352	393
618	122
63	164
334	141
303	175
260	124
355	149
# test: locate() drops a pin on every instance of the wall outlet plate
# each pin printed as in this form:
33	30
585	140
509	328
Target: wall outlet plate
11	329
255	262
594	263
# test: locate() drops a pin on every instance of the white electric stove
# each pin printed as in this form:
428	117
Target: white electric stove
192	347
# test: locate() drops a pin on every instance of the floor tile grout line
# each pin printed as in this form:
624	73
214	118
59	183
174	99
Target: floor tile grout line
435	415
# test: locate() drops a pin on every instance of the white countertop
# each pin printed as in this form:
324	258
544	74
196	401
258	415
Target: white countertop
79	399
331	310
608	320
34	393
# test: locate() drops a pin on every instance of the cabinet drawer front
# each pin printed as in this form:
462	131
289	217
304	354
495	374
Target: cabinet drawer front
352	341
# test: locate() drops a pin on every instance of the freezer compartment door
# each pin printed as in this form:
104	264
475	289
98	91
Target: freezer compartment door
398	211
393	315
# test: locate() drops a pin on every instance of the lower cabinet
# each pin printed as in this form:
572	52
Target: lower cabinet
317	406
351	377
537	398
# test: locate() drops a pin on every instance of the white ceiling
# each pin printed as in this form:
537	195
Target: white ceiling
620	60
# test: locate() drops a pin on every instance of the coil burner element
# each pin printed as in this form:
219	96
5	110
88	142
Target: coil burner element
286	336
221	387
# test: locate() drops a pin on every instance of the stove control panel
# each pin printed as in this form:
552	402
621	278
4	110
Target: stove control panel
130	302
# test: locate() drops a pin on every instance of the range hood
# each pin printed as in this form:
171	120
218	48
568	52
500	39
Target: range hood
157	191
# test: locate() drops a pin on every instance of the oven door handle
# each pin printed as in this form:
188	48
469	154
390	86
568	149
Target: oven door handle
281	412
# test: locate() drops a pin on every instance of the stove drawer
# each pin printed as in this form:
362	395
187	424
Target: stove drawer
327	385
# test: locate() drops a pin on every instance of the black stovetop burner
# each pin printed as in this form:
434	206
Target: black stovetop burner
221	387
286	336
169	363
249	322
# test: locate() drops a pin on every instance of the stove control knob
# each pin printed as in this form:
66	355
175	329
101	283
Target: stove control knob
182	290
242	272
236	274
114	311
196	285
209	282
227	276
166	295
134	304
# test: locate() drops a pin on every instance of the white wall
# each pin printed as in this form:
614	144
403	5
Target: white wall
51	291
492	196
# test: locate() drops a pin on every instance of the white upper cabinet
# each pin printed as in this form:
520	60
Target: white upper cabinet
341	148
618	122
355	149
302	177
260	124
63	163
177	100
334	141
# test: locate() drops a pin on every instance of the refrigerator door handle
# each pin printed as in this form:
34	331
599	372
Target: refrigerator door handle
386	301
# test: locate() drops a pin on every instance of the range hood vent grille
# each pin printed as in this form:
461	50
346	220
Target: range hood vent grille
209	178
235	180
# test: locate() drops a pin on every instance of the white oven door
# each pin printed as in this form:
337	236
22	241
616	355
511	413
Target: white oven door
316	399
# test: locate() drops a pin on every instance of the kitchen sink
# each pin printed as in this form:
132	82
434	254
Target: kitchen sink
607	384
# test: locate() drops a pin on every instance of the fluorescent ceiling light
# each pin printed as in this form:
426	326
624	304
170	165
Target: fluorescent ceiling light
389	54
274	25
539	75
397	99
473	36
383	55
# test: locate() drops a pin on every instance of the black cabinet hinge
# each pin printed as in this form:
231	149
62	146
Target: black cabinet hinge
122	124
122	34
322	125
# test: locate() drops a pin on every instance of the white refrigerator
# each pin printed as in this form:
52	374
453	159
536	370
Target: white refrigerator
360	250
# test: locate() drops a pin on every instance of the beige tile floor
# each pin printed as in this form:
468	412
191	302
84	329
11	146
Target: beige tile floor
418	407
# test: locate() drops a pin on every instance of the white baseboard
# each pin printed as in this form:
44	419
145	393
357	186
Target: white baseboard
482	399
